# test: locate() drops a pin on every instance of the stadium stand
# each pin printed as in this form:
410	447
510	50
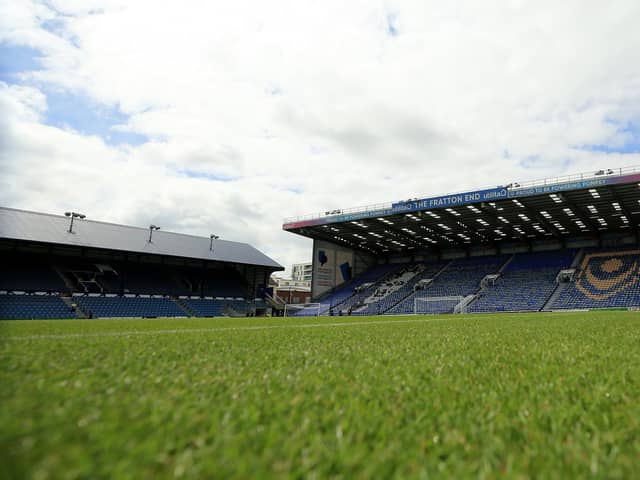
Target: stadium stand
118	306
557	244
108	270
14	307
525	284
594	214
461	277
27	276
606	278
142	279
350	294
209	307
394	290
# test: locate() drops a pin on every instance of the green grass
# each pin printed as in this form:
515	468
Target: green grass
533	395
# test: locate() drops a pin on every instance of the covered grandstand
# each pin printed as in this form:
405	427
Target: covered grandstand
51	268
554	244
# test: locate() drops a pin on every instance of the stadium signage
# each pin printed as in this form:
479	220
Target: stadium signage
447	201
451	200
526	192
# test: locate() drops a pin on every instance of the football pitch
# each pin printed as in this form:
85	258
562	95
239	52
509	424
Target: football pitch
512	395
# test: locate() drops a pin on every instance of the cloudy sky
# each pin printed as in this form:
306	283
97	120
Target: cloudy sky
225	117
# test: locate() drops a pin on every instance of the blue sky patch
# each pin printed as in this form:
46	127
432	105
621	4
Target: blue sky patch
214	177
78	112
17	59
530	161
630	131
66	109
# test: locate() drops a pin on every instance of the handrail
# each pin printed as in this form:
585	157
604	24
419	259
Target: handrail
520	185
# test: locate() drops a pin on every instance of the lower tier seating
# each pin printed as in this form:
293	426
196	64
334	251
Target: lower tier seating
343	293
526	283
388	301
603	279
461	278
33	306
129	306
204	307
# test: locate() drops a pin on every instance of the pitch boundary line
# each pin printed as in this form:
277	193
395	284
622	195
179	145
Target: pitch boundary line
174	331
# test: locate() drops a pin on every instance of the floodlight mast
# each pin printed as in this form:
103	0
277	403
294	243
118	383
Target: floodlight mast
212	237
73	215
151	229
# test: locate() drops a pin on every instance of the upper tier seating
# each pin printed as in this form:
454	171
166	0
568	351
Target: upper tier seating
26	277
151	279
33	306
607	278
143	279
525	284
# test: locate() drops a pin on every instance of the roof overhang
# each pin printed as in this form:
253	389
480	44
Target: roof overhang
584	205
26	226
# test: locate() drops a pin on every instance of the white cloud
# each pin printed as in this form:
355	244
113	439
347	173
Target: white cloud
314	97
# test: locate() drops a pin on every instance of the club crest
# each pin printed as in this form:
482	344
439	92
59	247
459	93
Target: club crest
603	275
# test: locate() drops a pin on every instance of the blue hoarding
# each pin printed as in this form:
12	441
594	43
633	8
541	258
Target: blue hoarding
454	200
446	201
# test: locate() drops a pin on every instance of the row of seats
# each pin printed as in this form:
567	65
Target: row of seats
27	306
343	294
525	284
347	295
603	279
217	308
386	303
375	278
29	277
129	307
462	277
14	307
26	273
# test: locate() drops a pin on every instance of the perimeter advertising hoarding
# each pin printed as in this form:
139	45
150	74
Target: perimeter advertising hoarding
332	266
466	198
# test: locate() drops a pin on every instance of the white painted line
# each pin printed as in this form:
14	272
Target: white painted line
231	329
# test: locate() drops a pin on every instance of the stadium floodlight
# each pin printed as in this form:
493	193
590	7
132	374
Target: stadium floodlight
212	237
151	229
74	215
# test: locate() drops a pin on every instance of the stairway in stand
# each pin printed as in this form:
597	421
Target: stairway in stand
184	307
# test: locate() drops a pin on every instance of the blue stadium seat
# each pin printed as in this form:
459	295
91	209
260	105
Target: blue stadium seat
129	306
525	284
26	277
13	307
204	307
461	278
605	278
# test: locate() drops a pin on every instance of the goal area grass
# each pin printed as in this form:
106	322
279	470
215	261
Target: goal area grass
548	395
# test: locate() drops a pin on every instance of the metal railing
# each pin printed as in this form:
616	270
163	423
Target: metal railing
617	172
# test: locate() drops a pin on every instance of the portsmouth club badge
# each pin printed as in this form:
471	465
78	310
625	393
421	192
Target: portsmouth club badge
603	275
